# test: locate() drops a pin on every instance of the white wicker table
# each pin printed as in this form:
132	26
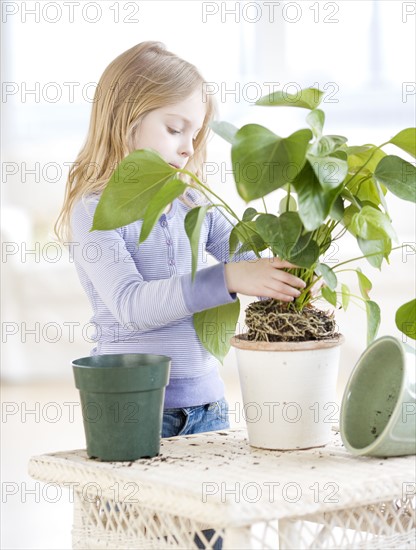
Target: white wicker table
245	497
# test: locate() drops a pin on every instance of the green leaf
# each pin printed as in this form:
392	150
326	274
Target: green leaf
337	209
305	253
406	319
406	140
327	145
328	275
370	223
367	189
357	149
158	203
314	204
345	296
131	187
349	213
329	295
322	238
381	191
375	250
234	241
246	233
364	284
252	246
280	233
193	223
316	120
308	98
216	326
373	320
263	162
330	170
368	155
249	214
346	194
285	207
398	176
332	143
224	129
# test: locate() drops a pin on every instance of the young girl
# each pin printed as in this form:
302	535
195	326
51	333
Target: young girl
143	297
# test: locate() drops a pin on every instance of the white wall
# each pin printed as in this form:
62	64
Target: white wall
362	52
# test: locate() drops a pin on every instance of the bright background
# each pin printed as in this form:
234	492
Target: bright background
362	53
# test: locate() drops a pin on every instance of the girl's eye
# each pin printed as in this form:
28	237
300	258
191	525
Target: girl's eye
173	131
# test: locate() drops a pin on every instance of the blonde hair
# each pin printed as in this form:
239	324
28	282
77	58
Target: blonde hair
141	79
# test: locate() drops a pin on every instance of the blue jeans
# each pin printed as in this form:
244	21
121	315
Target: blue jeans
193	420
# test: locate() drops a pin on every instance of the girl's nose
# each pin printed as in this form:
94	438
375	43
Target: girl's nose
187	148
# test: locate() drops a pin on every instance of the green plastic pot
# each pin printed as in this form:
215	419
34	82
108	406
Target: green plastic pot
378	410
122	398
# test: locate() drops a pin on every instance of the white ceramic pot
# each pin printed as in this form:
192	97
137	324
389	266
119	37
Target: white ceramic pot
289	391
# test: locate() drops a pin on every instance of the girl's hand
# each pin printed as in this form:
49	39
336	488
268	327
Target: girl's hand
263	277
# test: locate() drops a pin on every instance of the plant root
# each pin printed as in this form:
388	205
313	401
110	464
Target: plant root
274	321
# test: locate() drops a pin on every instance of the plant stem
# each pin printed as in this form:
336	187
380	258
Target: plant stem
305	297
199	182
366	162
288	197
340	234
345	270
355	296
366	256
224	204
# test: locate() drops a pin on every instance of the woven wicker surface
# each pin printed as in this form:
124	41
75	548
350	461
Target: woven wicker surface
218	479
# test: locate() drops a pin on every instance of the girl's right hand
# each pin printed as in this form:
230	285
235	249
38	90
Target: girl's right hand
263	277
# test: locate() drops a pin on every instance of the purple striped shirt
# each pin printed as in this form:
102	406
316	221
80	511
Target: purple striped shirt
143	298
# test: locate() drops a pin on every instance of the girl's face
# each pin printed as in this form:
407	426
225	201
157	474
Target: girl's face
171	130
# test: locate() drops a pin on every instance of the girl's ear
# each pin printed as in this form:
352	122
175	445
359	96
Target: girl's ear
133	134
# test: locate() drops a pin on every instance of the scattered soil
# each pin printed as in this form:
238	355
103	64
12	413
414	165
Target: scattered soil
273	321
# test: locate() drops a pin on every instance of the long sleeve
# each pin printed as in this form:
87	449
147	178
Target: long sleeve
143	298
143	286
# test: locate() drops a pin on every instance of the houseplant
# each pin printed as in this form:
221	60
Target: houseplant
330	188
